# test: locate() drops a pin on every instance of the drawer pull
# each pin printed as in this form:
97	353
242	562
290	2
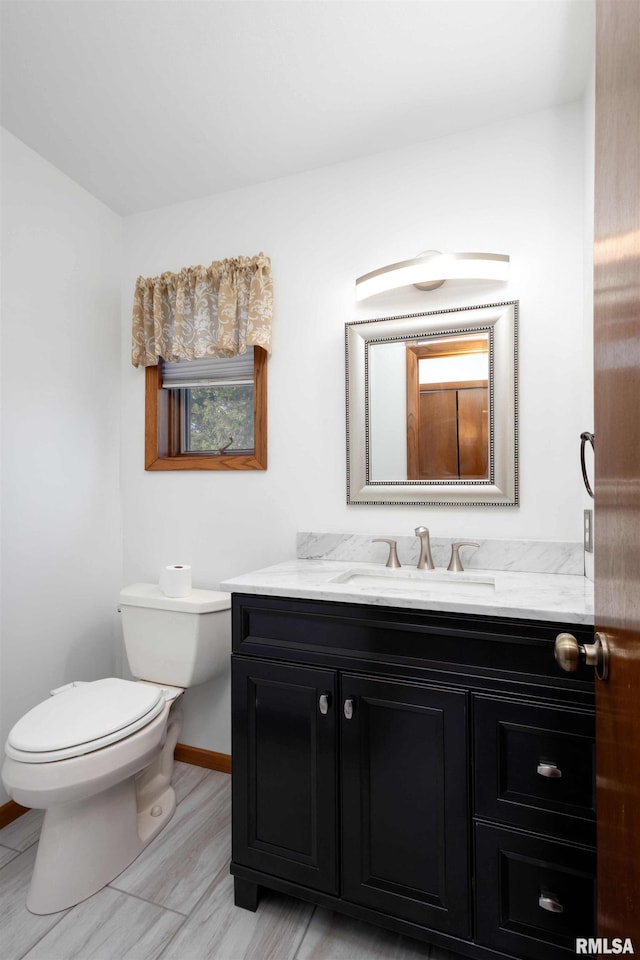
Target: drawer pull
323	704
348	709
549	770
550	903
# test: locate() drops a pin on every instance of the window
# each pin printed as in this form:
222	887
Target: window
207	414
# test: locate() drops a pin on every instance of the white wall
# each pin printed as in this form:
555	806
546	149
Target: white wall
60	378
514	187
587	325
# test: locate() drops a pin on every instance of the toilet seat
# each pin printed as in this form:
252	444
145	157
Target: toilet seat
82	719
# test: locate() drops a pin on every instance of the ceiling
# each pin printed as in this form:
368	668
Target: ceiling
152	102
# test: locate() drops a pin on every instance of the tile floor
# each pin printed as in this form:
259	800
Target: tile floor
175	902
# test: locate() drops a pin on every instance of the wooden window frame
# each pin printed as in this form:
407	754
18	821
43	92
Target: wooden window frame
162	427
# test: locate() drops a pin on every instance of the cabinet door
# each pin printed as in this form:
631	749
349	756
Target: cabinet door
405	803
284	772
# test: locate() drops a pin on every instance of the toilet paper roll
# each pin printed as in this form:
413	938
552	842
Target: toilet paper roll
175	580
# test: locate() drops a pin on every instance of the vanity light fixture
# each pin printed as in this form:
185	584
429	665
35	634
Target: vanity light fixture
430	269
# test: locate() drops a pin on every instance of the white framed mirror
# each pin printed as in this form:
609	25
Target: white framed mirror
432	408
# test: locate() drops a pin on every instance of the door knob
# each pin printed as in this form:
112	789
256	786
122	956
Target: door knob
348	708
569	654
323	704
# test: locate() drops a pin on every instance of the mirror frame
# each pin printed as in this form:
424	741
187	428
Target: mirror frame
501	489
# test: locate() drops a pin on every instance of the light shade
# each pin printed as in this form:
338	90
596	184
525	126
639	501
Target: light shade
430	270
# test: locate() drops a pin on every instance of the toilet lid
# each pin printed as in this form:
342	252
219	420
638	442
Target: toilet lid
85	718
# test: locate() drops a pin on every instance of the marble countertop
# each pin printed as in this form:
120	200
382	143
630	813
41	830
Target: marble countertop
566	598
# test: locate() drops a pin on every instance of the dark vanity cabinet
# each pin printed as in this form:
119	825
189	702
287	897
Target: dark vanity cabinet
432	773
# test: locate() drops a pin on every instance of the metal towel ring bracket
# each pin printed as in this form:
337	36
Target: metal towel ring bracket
584	437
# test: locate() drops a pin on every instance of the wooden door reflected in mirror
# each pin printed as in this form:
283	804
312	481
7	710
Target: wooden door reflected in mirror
448	408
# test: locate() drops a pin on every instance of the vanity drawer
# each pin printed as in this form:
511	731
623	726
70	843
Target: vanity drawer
534	767
534	896
467	649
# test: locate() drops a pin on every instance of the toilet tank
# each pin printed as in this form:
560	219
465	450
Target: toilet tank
176	641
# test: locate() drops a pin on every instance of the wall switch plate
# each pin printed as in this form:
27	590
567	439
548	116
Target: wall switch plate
588	531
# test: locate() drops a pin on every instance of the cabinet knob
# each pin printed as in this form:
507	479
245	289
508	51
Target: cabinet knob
323	704
348	709
548	901
549	770
569	653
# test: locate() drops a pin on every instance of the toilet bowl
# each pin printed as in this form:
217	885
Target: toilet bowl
97	756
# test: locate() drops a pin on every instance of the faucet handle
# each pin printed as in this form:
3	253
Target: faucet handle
455	564
392	560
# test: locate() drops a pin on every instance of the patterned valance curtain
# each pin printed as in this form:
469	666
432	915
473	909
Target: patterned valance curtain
215	311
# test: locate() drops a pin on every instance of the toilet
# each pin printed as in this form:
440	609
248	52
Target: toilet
97	756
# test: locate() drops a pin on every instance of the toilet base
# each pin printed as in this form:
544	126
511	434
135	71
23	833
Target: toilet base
86	844
100	837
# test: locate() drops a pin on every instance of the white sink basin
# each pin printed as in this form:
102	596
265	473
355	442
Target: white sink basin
440	583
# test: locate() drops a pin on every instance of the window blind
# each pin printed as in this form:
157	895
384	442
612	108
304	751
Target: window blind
208	371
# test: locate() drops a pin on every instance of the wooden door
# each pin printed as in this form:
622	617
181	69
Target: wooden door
405	801
437	436
450	440
473	433
617	471
284	772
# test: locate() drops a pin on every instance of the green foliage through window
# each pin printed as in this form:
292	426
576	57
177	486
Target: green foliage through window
219	418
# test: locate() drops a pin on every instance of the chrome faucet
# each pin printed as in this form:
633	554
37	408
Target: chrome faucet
392	560
426	560
455	564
